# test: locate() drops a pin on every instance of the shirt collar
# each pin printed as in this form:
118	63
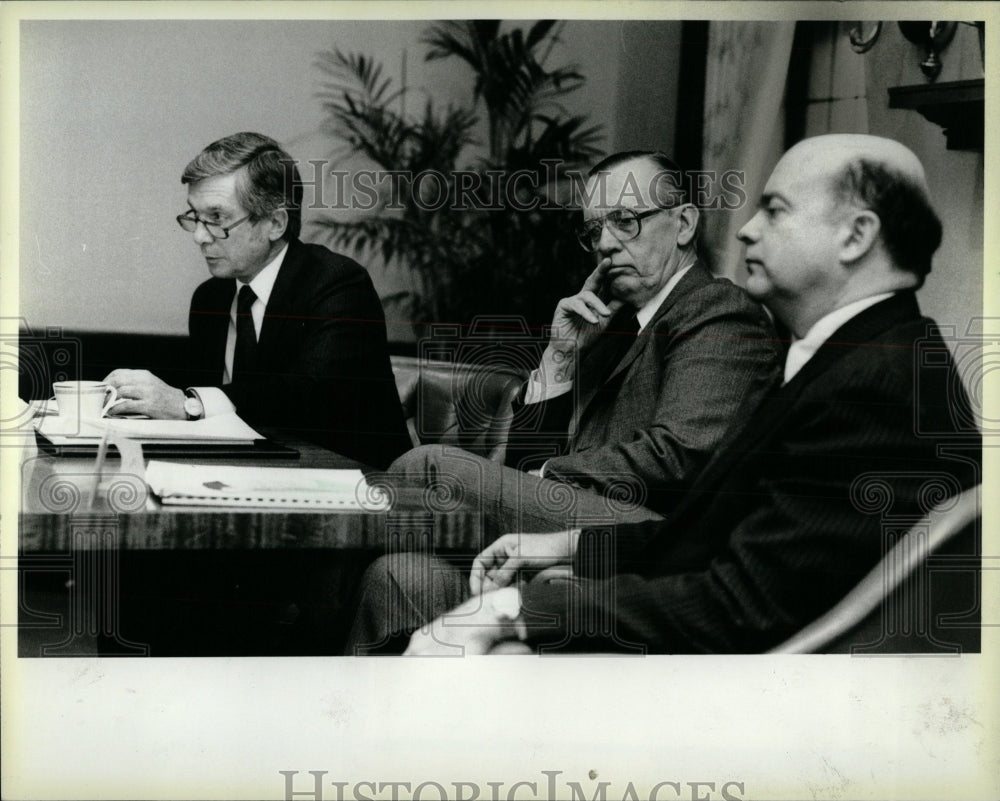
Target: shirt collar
802	350
645	314
263	282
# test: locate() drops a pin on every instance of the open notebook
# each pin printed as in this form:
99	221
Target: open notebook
263	487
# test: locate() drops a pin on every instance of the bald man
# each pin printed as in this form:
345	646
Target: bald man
789	515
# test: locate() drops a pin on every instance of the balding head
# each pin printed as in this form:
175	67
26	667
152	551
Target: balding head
869	172
842	218
837	151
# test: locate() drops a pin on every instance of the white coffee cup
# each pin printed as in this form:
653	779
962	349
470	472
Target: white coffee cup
85	400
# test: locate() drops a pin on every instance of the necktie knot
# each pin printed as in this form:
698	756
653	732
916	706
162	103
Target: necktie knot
245	300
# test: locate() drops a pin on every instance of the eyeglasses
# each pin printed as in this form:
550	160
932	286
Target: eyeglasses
624	225
189	222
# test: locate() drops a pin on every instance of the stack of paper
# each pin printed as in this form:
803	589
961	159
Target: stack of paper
224	429
270	487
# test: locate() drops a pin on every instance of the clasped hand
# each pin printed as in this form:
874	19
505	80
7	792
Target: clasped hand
498	565
144	393
475	627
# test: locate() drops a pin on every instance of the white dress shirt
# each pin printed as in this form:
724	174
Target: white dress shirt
802	350
214	399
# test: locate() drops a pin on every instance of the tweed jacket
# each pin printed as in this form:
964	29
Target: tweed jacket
650	418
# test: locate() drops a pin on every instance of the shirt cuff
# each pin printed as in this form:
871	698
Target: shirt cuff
536	391
214	400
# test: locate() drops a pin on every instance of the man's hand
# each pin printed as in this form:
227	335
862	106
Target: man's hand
144	393
498	564
472	628
576	324
579	319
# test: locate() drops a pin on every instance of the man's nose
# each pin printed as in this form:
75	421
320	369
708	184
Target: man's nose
608	241
748	233
201	234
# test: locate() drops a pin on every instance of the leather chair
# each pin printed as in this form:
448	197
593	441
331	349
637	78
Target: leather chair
922	597
457	404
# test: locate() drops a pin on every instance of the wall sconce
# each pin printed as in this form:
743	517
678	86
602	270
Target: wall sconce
956	106
862	42
932	36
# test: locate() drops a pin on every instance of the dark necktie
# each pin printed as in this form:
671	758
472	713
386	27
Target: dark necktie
245	357
621	336
614	344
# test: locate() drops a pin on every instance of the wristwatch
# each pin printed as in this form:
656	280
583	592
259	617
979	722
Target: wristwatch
506	604
193	407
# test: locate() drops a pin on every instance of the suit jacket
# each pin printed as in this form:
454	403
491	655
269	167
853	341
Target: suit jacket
789	515
656	413
323	371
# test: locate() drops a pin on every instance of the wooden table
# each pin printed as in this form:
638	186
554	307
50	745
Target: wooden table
56	511
105	545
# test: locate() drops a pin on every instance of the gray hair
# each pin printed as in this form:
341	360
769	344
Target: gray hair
270	181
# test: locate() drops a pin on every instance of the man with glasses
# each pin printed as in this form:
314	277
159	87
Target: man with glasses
870	427
646	369
288	335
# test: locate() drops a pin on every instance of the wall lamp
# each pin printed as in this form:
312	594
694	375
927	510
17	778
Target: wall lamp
932	37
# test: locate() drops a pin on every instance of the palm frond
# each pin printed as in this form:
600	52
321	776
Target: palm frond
466	259
538	33
354	75
357	101
440	140
455	38
565	139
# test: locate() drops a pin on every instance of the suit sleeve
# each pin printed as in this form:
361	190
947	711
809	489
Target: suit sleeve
538	430
811	531
715	358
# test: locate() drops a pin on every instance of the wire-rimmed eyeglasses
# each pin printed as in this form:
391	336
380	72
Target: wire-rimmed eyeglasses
189	222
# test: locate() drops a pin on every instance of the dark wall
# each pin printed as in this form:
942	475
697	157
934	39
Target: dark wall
54	354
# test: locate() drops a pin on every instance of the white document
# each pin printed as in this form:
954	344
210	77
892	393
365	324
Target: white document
227	429
263	487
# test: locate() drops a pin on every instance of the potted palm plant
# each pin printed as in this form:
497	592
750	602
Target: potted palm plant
474	241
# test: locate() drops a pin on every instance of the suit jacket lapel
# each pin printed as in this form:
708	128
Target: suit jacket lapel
857	331
278	313
213	323
695	278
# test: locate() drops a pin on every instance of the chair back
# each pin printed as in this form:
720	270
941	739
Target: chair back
922	597
465	405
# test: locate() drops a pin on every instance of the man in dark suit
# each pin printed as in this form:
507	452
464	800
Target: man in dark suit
789	514
288	335
645	370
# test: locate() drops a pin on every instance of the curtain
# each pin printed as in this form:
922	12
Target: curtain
743	124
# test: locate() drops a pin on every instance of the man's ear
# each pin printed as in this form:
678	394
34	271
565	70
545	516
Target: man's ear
278	222
688	216
861	232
